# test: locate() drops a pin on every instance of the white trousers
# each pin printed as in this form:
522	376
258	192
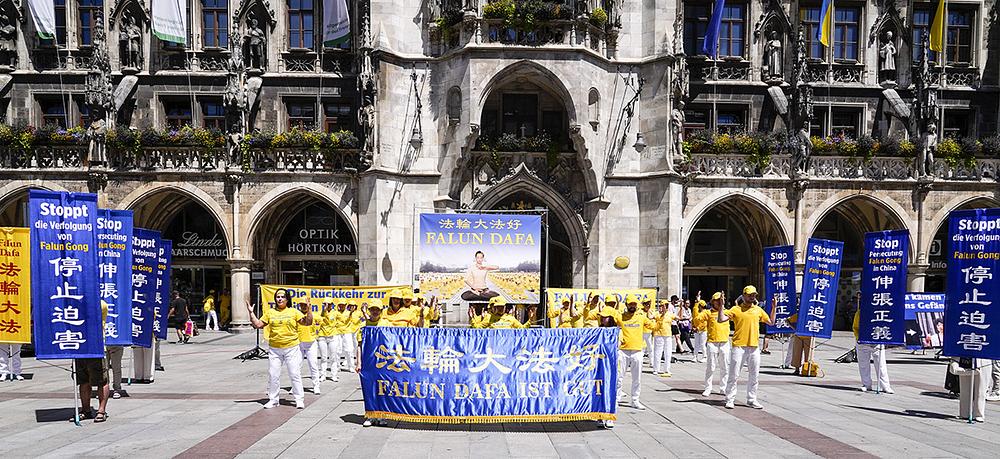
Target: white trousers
115	354
291	359
662	346
980	378
700	338
326	353
10	359
717	355
142	361
648	339
788	351
873	353
347	350
310	353
211	317
739	356
630	361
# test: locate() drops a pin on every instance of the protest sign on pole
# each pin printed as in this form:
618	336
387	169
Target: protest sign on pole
144	253
883	288
924	320
66	306
161	299
819	288
15	285
972	289
114	258
779	284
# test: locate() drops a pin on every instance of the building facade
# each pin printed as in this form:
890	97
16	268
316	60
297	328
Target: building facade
269	157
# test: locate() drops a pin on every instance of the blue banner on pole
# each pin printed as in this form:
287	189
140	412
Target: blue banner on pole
973	261
819	288
161	300
114	263
458	376
924	320
144	253
66	308
779	284
883	288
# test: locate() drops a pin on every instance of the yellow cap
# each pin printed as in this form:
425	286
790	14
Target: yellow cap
566	299
608	311
610	299
630	298
394	293
749	290
375	303
716	296
497	301
341	301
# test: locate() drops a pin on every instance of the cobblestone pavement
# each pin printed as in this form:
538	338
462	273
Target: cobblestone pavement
208	405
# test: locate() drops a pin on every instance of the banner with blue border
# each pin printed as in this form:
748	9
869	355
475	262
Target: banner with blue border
114	257
161	300
883	288
972	287
144	253
779	284
819	288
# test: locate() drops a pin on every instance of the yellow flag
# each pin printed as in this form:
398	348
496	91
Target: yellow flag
937	28
15	285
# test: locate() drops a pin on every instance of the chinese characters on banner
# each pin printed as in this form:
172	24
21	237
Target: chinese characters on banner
161	299
67	313
973	258
114	272
452	375
144	254
779	283
15	286
883	288
819	288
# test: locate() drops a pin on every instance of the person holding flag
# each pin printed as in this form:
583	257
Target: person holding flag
746	317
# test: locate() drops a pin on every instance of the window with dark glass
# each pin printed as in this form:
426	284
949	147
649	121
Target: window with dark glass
60	39
695	25
845	122
732	30
810	18
846	24
520	114
959	36
53	111
696	119
213	114
178	113
301	113
90	13
731	121
84	110
215	23
818	123
300	24
337	117
922	18
956	123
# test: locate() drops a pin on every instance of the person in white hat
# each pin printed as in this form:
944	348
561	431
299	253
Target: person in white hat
747	317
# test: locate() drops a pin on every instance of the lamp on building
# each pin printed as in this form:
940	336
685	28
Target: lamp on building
640	143
416	136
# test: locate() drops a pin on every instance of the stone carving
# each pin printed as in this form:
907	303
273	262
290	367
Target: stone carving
98	95
773	58
236	100
928	146
256	45
130	44
887	62
800	113
8	38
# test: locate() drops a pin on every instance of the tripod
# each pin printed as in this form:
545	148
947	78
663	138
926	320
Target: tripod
848	357
257	353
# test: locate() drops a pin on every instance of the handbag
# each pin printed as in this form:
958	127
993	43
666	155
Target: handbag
188	328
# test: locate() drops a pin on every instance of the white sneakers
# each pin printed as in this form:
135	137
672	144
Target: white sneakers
707	392
300	404
638	406
755	405
367	423
609	424
730	405
270	404
993	397
317	391
865	389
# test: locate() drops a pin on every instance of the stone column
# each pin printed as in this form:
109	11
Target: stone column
675	236
240	282
915	276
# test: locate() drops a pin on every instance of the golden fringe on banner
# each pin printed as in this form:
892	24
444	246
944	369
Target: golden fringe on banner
490	419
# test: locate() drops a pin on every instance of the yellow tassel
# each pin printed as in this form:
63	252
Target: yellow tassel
490	419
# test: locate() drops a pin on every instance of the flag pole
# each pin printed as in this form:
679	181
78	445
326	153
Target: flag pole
76	394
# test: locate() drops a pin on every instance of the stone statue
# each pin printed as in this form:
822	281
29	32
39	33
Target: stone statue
130	44
773	57
96	133
677	134
887	53
928	146
803	150
8	39
256	45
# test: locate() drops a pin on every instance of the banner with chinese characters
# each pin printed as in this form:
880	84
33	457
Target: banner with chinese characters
144	254
470	258
924	320
819	288
556	295
883	288
15	285
67	309
779	283
489	376
161	300
114	258
973	259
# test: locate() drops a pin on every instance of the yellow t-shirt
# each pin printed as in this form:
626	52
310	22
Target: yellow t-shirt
746	322
662	324
308	333
633	326
505	321
429	315
857	324
590	317
355	321
209	304
717	332
339	319
561	318
698	322
370	323
282	327
326	324
404	317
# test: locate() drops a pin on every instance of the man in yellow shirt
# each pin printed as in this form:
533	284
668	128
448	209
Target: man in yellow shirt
746	317
327	340
717	348
309	348
663	342
566	316
607	317
498	317
647	337
283	324
591	311
633	324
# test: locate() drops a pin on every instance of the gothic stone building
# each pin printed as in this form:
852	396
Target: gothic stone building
607	113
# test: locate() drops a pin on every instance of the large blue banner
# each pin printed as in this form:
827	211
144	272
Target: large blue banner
819	288
144	254
883	288
973	258
924	320
161	300
484	376
779	284
114	263
66	308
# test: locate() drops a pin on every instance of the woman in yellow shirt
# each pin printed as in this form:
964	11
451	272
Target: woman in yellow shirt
591	311
633	324
663	342
327	347
399	316
647	308
746	317
498	317
283	339
309	348
698	328
565	316
717	348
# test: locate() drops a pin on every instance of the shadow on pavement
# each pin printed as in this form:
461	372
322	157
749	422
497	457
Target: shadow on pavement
834	387
945	395
909	413
579	426
54	415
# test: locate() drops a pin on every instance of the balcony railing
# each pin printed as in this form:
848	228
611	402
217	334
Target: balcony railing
839	167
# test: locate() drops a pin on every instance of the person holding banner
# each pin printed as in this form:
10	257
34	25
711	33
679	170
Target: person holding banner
747	317
994	394
868	353
327	340
352	320
633	324
973	384
90	373
373	318
717	346
283	324
663	346
309	348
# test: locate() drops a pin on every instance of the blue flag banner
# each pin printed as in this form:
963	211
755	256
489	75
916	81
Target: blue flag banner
114	264
66	309
710	47
144	253
973	260
819	288
883	288
924	320
779	283
489	376
161	300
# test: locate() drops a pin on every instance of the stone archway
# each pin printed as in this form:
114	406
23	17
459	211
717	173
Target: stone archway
14	200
